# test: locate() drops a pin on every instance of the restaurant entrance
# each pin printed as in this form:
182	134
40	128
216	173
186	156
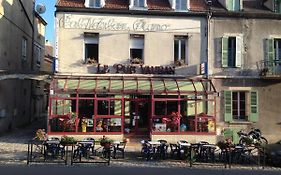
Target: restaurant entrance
137	115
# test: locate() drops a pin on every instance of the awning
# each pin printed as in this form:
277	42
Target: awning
133	85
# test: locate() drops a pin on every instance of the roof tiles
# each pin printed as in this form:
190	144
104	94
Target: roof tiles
195	5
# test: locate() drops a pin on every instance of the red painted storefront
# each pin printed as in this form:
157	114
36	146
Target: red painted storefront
131	105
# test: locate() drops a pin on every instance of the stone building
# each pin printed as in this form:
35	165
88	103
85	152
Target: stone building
243	61
22	40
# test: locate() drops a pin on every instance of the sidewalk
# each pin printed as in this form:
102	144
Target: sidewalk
13	151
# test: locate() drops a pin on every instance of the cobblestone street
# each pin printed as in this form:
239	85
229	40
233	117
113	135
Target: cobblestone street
13	149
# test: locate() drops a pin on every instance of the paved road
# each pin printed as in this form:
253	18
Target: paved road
109	170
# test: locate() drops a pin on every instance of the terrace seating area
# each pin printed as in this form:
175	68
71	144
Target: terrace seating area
90	150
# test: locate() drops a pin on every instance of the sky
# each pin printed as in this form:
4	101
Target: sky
49	17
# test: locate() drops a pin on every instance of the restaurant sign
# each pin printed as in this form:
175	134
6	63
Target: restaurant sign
115	24
134	69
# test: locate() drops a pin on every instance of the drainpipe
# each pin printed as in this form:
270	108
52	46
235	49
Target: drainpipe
31	23
208	18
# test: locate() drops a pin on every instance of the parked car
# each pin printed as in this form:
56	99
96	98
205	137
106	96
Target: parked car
273	153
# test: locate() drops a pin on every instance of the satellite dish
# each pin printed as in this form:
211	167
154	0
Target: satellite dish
40	8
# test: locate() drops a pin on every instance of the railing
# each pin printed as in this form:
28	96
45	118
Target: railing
269	68
59	152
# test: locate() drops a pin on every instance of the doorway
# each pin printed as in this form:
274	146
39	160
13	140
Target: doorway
137	115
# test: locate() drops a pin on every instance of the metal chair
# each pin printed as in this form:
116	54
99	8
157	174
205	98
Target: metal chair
119	147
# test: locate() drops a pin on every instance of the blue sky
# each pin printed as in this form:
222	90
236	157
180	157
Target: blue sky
49	17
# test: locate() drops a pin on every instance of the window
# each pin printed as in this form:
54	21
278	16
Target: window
273	53
231	51
91	41
139	4
181	4
94	3
37	55
180	49
277	6
24	49
136	49
241	106
234	5
277	50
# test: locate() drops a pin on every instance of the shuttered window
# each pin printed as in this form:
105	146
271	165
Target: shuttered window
231	51
273	53
236	106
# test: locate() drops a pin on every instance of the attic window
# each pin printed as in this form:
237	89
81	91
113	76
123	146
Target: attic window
181	5
138	4
94	3
234	5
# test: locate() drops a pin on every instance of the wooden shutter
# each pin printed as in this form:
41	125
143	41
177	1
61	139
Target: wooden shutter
239	53
224	51
254	114
228	106
270	54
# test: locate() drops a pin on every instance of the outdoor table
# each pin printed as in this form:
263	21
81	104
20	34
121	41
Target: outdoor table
154	145
207	152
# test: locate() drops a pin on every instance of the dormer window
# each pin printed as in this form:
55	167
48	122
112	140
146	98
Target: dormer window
94	3
181	5
138	4
234	5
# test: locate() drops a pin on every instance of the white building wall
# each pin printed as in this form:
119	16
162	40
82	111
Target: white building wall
114	40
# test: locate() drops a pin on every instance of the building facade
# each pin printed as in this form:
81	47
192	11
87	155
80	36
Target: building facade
244	54
22	43
214	65
132	68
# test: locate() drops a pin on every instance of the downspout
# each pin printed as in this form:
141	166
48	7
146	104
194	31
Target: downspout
208	18
31	23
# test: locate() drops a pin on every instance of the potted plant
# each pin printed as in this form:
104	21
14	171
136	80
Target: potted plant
136	61
105	142
68	140
179	63
40	135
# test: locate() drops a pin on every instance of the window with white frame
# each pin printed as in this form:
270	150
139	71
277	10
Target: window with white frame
91	48
241	105
180	44
181	5
232	51
138	4
136	48
94	3
24	49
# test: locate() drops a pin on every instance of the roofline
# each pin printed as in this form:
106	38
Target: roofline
131	12
41	18
227	14
252	15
